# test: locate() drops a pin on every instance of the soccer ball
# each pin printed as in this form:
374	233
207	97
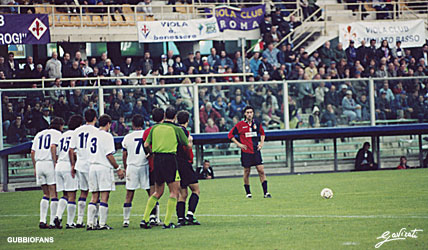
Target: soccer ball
327	193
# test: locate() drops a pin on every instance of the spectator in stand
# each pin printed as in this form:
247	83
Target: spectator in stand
61	108
351	53
365	107
265	67
191	62
326	54
211	127
314	119
255	64
119	128
280	73
13	66
350	108
116	73
163	67
213	58
265	26
398	52
306	94
384	50
29	68
236	106
239	65
385	89
4	68
146	7
269	112
278	19
205	171
403	163
115	111
328	118
54	94
179	68
140	110
384	108
224	62
274	36
220	106
320	93
401	106
418	106
208	112
146	63
364	159
311	70
16	132
271	53
162	98
74	71
257	99
128	67
107	68
54	67
339	53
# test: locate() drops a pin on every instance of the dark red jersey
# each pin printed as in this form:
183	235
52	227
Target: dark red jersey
184	151
150	159
247	134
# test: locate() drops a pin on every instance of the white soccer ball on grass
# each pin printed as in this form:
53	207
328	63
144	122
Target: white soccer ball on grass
327	193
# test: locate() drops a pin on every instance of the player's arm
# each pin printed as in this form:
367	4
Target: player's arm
33	158
53	154
232	133
116	166
262	141
240	145
72	156
124	158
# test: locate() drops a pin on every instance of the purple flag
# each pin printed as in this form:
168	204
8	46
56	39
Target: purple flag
239	19
24	29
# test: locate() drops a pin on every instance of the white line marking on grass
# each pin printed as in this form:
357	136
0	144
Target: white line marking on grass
271	216
350	243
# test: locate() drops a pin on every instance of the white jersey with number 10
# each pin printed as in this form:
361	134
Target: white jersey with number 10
42	144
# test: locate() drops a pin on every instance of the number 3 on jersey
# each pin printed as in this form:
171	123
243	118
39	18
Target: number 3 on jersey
93	145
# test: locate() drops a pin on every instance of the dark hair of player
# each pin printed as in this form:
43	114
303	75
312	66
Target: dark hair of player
247	108
75	121
182	116
104	120
90	115
158	114
137	121
56	123
170	112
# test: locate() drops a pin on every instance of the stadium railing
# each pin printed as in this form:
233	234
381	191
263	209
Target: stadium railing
321	152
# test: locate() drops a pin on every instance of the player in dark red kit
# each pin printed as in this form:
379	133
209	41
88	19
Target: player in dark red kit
249	136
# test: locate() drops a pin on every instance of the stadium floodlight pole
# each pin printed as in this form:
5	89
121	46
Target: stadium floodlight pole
196	108
372	102
286	110
100	100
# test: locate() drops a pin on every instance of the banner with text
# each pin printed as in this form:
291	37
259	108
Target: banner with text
411	33
24	29
239	19
164	31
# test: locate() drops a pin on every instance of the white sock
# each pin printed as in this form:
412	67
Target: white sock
62	204
81	205
44	206
97	214
53	207
157	212
92	209
126	211
103	213
71	212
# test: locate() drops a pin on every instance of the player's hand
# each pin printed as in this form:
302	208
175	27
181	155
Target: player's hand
242	146
120	173
73	172
260	146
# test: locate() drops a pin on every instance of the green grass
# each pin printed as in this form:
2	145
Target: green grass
295	218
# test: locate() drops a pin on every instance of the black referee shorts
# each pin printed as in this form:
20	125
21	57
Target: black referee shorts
152	178
187	174
248	160
165	168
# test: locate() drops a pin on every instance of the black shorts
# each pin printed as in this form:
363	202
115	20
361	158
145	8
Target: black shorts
248	160
165	168
187	174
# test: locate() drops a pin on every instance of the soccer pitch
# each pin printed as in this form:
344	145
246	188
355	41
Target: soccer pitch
365	205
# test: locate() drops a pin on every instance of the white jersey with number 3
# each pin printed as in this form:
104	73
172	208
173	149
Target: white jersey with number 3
100	144
79	142
42	144
134	145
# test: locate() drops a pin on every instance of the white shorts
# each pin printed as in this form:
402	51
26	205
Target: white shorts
82	178
45	173
101	179
137	177
64	181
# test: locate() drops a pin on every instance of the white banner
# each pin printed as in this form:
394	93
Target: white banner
411	33
189	30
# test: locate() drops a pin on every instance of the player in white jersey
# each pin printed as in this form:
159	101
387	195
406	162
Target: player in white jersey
136	165
101	177
78	145
43	155
66	181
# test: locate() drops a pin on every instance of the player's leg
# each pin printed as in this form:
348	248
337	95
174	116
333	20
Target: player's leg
82	178
54	204
151	203
193	203
62	205
127	206
104	210
92	206
44	207
71	209
181	205
262	176
247	171
174	190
